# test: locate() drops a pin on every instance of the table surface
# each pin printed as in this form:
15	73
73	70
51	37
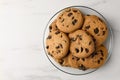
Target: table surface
22	23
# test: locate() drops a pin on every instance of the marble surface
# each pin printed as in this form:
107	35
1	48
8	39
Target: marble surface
22	23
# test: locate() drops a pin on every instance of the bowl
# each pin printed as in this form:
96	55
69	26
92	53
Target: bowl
108	43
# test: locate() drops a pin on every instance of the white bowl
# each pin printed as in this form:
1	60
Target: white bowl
107	43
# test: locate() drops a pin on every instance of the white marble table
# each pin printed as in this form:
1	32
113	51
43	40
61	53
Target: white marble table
21	30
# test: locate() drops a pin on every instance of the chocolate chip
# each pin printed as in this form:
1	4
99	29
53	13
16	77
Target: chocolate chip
50	54
59	51
100	20
94	39
67	26
61	14
57	32
90	42
61	36
52	51
80	37
59	17
61	62
83	59
92	55
72	39
74	21
77	59
57	47
82	67
65	41
75	11
50	27
101	52
56	26
47	47
103	32
49	37
86	50
101	58
87	33
98	35
73	17
81	49
87	27
70	14
98	61
73	58
96	30
62	20
77	50
61	45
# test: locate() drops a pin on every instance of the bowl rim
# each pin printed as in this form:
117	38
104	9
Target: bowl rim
111	38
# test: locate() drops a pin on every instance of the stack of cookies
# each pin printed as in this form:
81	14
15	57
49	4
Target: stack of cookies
76	40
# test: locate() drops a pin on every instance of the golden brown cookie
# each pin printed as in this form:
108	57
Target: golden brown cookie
57	44
82	44
96	59
96	27
69	20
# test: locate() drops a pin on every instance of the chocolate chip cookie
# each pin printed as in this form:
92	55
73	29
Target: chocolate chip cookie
75	63
81	44
69	20
96	59
96	27
57	44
